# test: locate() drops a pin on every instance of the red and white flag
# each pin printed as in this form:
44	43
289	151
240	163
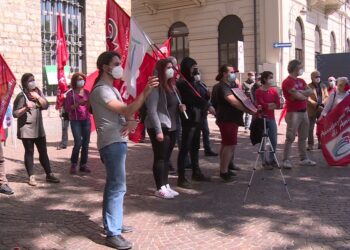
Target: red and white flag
165	50
7	85
117	30
334	132
62	58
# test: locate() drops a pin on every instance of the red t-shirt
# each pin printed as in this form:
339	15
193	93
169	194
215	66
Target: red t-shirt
298	84
264	97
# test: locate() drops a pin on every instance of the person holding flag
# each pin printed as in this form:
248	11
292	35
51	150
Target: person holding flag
114	120
27	108
197	103
161	121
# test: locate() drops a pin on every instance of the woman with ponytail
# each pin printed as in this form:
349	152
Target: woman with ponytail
114	120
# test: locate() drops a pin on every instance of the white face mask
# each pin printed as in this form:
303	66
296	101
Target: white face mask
197	78
117	72
231	77
31	85
169	73
80	83
301	72
270	82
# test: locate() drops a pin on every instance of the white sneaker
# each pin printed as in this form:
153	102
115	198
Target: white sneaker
307	162
164	193
287	164
173	192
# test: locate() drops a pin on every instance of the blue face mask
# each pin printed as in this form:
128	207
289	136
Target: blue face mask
231	77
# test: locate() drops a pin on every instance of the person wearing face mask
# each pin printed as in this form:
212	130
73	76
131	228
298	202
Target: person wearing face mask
267	97
229	116
331	85
247	85
76	104
161	122
315	105
197	106
204	91
114	120
296	93
27	108
336	97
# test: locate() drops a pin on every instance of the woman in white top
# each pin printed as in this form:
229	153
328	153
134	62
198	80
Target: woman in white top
337	96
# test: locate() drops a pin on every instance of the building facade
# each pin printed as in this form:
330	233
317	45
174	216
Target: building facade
212	31
28	35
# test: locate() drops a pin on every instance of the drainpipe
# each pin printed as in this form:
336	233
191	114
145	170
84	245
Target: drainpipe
255	38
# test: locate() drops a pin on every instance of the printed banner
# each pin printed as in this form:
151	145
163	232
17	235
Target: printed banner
335	134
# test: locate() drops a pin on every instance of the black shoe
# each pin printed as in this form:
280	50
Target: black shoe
226	177
5	189
59	147
127	229
184	183
84	169
232	166
199	176
52	178
210	153
189	166
231	173
118	242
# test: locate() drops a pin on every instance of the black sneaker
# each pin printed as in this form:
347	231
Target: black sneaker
5	189
199	176
210	153
232	166
118	242
226	177
184	183
52	178
231	173
84	169
127	229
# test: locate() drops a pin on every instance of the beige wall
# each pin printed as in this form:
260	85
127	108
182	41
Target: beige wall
276	23
20	36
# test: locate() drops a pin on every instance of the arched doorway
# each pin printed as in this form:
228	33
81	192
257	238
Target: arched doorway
179	42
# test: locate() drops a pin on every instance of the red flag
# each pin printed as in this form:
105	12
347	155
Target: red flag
117	29
165	50
62	58
334	132
146	70
7	85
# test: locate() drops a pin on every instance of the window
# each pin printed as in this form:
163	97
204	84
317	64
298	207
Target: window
72	12
318	43
299	40
230	32
333	48
179	42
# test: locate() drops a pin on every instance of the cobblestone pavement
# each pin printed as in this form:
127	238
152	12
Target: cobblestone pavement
212	216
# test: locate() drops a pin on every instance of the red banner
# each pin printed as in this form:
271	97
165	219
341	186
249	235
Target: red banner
7	85
335	134
62	58
165	50
117	29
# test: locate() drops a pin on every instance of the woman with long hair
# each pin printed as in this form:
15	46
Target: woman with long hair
268	99
161	123
27	108
76	104
114	120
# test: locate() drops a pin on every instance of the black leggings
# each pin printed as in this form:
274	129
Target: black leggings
161	155
40	144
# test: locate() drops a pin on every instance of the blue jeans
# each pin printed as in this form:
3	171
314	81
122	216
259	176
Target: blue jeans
113	157
272	133
81	134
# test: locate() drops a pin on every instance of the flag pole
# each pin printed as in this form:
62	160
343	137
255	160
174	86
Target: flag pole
24	94
179	100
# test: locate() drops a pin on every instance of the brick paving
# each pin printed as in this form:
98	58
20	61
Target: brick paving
212	216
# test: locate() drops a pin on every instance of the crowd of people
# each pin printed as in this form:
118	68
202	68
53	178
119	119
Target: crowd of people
176	104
